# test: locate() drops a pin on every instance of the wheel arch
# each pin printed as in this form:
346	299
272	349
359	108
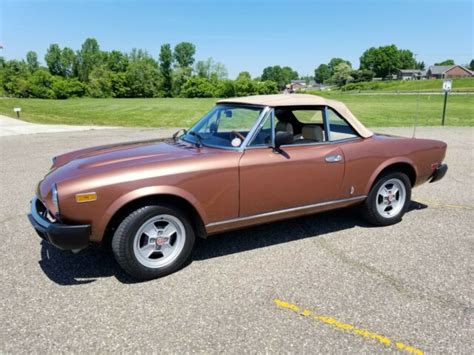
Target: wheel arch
405	166
133	200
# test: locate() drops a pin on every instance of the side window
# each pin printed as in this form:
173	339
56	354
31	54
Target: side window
264	135
339	128
312	126
309	116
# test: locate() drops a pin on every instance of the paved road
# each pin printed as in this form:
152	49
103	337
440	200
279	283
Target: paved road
13	127
401	288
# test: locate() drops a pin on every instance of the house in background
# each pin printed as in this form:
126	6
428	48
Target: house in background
447	71
300	85
411	74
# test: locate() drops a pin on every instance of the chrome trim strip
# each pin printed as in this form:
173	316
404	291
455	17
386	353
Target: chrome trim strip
36	216
293	209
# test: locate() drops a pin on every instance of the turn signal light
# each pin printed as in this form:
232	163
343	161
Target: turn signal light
86	197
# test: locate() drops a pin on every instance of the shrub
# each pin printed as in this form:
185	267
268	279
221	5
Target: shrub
66	88
198	87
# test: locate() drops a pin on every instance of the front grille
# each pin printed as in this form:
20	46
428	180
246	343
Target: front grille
43	211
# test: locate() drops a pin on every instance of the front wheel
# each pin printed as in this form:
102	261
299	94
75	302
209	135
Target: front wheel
153	241
388	199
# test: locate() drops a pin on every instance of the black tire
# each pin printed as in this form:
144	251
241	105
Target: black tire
124	239
369	208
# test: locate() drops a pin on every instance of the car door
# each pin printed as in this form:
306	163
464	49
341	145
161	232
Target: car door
300	175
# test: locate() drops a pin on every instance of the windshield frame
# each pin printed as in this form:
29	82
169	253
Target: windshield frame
265	110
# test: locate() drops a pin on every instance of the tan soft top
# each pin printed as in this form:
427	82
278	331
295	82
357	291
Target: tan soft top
301	100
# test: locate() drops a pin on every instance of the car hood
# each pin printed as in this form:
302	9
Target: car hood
123	158
110	153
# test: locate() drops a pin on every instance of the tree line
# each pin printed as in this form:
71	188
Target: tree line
93	72
382	62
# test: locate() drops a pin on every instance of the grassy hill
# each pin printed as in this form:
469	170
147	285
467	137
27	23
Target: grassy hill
432	85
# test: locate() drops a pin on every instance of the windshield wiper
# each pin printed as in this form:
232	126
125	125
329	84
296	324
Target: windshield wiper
199	139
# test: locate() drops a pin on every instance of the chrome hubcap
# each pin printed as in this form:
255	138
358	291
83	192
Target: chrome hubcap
159	241
391	198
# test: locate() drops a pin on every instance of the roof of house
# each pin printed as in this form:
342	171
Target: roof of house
281	100
440	69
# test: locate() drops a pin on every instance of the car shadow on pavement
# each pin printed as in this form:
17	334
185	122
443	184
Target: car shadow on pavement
67	269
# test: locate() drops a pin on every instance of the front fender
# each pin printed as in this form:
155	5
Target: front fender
98	230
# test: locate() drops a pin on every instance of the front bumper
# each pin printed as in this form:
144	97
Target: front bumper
62	236
439	173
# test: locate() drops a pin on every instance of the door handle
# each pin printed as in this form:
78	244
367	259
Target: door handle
333	158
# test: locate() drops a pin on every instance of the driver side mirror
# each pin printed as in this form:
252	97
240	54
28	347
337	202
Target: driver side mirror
282	138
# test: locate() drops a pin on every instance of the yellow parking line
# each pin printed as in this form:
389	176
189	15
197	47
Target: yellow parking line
347	327
437	204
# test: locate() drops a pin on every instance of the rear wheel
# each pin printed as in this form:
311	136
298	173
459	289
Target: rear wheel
153	241
388	199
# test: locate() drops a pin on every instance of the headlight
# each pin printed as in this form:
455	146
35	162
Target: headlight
55	197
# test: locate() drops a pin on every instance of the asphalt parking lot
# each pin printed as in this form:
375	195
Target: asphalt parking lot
324	283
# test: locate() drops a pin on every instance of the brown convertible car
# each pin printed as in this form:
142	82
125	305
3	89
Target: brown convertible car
250	160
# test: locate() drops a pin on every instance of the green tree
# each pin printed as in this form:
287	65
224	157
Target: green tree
281	76
65	88
67	61
40	84
210	69
342	74
266	87
322	73
471	64
53	59
244	75
219	71
362	75
100	82
203	68
184	54
119	85
334	62
88	57
420	65
116	61
198	87
14	78
246	87
387	60
446	62
142	78
32	61
225	88
166	62
184	58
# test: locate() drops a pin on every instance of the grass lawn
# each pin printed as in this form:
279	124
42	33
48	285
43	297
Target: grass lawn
372	110
432	85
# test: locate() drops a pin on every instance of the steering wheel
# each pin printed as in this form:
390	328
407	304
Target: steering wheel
240	135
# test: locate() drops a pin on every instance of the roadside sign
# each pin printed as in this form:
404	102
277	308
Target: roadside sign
17	110
447	85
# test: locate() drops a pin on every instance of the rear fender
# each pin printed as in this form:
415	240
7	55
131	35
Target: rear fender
386	164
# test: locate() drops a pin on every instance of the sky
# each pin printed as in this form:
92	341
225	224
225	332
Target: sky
245	35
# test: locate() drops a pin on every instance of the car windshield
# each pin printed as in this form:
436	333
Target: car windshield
225	126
